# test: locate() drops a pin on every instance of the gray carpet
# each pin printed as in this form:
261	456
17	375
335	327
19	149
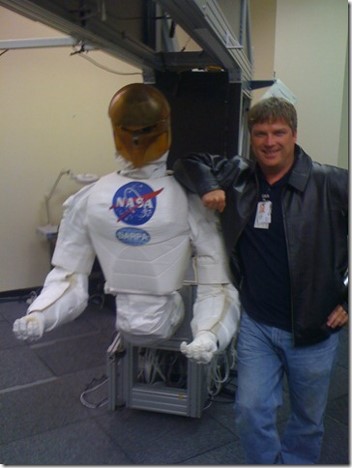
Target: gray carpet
44	422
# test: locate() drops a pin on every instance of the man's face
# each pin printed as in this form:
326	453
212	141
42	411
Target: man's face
273	146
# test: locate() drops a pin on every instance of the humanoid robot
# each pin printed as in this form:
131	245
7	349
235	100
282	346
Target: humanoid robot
144	229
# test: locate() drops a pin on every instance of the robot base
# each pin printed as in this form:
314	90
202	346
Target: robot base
159	378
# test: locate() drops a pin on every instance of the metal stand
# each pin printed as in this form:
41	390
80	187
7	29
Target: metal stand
185	398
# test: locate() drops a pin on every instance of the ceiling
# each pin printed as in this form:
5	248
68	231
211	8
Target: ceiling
144	32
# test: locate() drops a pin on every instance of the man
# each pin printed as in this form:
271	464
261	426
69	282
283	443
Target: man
284	220
128	219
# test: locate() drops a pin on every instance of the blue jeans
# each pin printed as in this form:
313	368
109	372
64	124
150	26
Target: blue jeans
265	353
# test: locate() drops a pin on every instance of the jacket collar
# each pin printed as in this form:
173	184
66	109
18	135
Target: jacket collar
301	169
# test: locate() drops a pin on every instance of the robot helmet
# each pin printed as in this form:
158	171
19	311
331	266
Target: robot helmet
140	117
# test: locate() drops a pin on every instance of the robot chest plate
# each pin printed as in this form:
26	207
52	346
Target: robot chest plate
138	212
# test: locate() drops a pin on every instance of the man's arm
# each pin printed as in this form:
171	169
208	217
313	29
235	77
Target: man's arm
203	172
339	183
210	176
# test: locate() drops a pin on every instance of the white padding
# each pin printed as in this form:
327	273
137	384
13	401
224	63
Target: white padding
145	319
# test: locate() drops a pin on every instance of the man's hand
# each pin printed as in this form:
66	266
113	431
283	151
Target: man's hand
337	318
215	200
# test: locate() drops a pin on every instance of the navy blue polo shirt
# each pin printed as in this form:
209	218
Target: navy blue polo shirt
265	293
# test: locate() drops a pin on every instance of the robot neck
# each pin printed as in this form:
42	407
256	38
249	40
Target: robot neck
151	170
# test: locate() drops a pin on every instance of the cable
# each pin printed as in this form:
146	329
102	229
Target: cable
28	298
97	299
162	366
150	370
90	389
32	297
215	378
186	44
103	67
219	370
176	370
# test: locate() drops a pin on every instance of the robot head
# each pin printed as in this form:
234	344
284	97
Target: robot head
140	117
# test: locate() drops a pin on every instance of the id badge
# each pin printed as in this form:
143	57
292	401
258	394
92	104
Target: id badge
263	215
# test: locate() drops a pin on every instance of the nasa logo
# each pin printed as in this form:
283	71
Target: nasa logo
134	203
133	236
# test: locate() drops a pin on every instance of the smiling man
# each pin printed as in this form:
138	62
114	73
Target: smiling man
273	139
285	226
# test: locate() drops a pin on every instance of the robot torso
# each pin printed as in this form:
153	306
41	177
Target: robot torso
140	232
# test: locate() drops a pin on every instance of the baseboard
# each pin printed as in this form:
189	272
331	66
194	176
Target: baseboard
19	294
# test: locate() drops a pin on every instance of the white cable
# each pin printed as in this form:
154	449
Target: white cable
216	378
103	67
90	390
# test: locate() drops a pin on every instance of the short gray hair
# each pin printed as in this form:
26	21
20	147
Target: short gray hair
270	110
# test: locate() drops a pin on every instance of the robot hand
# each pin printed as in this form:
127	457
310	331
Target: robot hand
201	349
30	327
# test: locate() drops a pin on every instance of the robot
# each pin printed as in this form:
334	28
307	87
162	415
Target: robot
144	229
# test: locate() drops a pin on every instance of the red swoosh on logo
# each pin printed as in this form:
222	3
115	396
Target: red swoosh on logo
145	197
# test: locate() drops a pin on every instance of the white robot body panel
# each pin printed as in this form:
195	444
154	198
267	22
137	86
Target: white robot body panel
74	251
140	233
143	232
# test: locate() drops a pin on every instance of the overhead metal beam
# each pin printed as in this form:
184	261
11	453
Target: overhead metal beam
40	42
205	22
118	45
177	61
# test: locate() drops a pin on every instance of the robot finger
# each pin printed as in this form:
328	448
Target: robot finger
33	330
20	328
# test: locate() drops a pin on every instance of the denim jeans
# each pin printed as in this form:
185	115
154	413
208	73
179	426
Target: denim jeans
265	354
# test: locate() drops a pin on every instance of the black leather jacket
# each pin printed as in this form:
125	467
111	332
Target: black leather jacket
315	214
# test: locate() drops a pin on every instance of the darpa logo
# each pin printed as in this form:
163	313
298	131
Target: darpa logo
135	203
132	236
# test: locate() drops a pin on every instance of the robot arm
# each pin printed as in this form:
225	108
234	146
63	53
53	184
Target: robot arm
216	315
216	311
210	262
65	292
63	298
